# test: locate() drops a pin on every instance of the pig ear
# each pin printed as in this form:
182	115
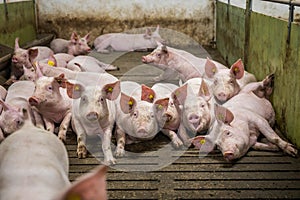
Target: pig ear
204	91
147	94
202	143
210	68
5	106
127	103
179	95
164	49
74	37
112	90
74	91
148	33
33	53
90	186
52	61
223	114
61	80
17	46
157	28
38	71
161	104
87	36
237	69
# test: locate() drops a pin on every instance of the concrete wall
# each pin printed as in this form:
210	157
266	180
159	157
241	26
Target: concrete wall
194	18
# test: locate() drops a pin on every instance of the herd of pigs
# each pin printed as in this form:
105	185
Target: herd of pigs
52	89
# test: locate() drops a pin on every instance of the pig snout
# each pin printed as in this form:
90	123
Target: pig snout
228	155
14	59
194	120
222	97
92	116
145	59
34	101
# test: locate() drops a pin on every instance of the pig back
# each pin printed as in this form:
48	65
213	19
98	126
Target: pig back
33	165
20	89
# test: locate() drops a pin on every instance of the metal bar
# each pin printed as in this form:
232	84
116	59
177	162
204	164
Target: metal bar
287	2
291	19
5	10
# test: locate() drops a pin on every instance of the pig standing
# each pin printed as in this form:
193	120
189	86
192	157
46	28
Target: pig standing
52	102
11	118
89	64
93	113
34	165
25	57
127	42
227	82
167	112
135	118
239	124
196	112
75	46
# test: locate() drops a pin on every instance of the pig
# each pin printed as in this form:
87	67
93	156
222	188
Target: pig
11	118
75	46
93	113
238	125
25	57
50	99
177	62
227	82
196	112
135	119
127	42
58	60
34	165
167	112
3	93
90	64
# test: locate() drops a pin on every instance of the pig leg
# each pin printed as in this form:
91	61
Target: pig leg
265	146
173	136
166	75
101	48
81	141
121	137
106	148
64	127
271	135
184	136
49	125
39	122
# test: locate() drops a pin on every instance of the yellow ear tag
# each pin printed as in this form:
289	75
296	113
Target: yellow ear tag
221	117
202	141
76	88
51	62
151	96
130	103
35	63
160	107
236	69
214	70
110	89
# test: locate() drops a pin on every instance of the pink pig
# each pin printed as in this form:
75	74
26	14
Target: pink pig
11	118
167	111
135	118
93	113
75	46
239	124
127	42
52	102
34	165
26	57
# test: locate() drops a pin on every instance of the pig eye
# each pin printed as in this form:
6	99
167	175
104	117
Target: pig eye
19	122
215	82
202	105
83	99
135	114
158	55
50	88
227	133
231	81
171	104
101	99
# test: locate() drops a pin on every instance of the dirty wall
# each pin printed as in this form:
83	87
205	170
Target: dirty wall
194	18
267	52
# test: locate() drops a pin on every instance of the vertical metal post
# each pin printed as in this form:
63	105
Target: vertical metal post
291	19
247	30
5	10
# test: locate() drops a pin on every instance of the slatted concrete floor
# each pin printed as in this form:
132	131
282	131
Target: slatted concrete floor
262	175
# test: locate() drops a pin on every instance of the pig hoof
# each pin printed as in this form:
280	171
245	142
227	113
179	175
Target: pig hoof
120	153
291	150
81	152
109	162
62	138
177	143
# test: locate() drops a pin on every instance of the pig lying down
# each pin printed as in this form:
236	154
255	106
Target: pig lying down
34	165
238	126
75	46
127	42
11	118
